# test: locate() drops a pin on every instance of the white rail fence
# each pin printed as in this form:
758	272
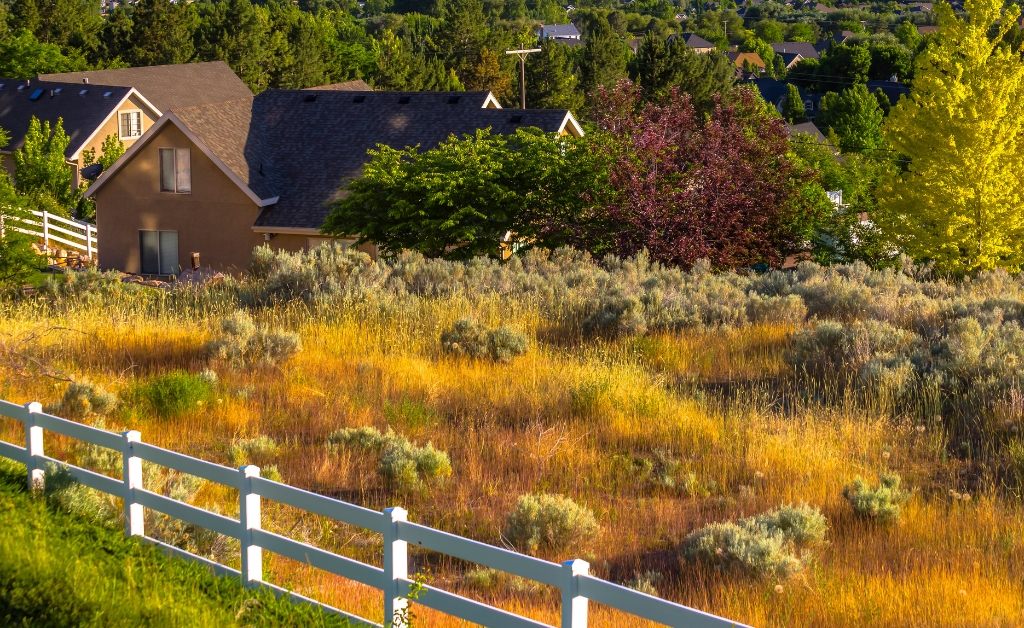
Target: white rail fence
578	588
51	229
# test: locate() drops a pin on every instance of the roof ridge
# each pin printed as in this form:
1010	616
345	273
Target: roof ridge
214	104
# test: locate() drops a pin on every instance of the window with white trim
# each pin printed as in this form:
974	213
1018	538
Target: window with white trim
176	170
158	252
131	124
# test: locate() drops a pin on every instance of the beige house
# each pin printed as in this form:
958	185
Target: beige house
221	179
89	113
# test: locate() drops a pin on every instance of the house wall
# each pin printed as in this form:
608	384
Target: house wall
111	127
215	220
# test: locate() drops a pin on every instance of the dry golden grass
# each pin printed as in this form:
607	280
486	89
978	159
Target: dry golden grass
554	420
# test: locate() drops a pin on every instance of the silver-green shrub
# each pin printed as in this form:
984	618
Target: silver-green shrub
472	339
775	543
83	398
402	464
882	503
549	521
243	450
242	343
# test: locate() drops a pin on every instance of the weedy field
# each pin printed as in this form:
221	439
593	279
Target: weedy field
822	447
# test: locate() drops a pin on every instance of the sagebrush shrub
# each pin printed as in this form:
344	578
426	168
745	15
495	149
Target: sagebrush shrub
62	490
243	450
402	464
242	343
775	543
82	398
470	338
882	503
549	521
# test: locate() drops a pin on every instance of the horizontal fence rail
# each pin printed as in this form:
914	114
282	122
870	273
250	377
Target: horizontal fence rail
52	229
577	586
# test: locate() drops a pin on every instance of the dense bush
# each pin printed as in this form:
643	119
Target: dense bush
242	343
243	450
83	398
175	393
403	465
881	503
470	338
549	521
775	543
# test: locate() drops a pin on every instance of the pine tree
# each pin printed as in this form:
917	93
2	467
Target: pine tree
604	58
162	32
958	201
660	66
793	109
550	78
488	75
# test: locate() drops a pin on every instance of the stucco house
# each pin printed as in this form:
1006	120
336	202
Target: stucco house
221	179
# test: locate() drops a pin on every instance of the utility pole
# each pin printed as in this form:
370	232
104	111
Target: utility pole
522	72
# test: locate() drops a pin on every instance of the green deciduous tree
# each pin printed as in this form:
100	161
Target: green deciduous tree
23	56
17	259
793	109
40	167
842	61
470	195
959	200
854	117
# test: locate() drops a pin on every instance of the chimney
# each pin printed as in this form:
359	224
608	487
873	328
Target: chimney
195	261
86	80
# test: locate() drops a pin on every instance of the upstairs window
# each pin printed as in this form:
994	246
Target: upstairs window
175	170
131	124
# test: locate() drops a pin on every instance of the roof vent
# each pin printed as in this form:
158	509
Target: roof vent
83	92
453	100
36	94
22	87
359	99
404	100
107	94
309	98
515	119
57	91
86	80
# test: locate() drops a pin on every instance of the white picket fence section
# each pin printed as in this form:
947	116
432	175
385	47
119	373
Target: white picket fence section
572	577
51	229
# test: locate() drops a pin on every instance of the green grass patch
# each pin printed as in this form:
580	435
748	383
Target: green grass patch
174	393
58	570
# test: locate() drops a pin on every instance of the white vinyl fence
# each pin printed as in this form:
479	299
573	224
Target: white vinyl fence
55	230
572	577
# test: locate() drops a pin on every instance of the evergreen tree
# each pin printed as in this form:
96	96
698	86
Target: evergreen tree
958	201
162	32
488	75
550	78
603	60
462	35
793	109
854	117
236	32
845	63
66	23
660	66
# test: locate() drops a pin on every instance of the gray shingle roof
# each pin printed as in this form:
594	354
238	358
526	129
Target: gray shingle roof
694	40
82	114
169	86
568	31
307	149
802	48
358	85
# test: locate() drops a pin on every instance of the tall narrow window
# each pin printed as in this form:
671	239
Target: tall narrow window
175	170
131	124
158	252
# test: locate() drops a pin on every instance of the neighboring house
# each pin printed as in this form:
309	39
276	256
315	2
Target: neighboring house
802	48
824	8
926	30
841	37
223	178
921	7
774	92
741	59
358	85
168	86
809	129
695	41
790	59
89	113
560	31
892	89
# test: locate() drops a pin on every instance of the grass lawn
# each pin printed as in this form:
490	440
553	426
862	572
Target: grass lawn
58	570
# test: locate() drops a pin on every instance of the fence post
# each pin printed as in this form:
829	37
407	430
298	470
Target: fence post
134	514
396	563
46	228
249	517
88	240
574	606
33	446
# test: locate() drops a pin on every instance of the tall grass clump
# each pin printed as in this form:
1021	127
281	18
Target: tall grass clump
402	464
242	343
775	543
549	521
175	393
470	338
882	503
